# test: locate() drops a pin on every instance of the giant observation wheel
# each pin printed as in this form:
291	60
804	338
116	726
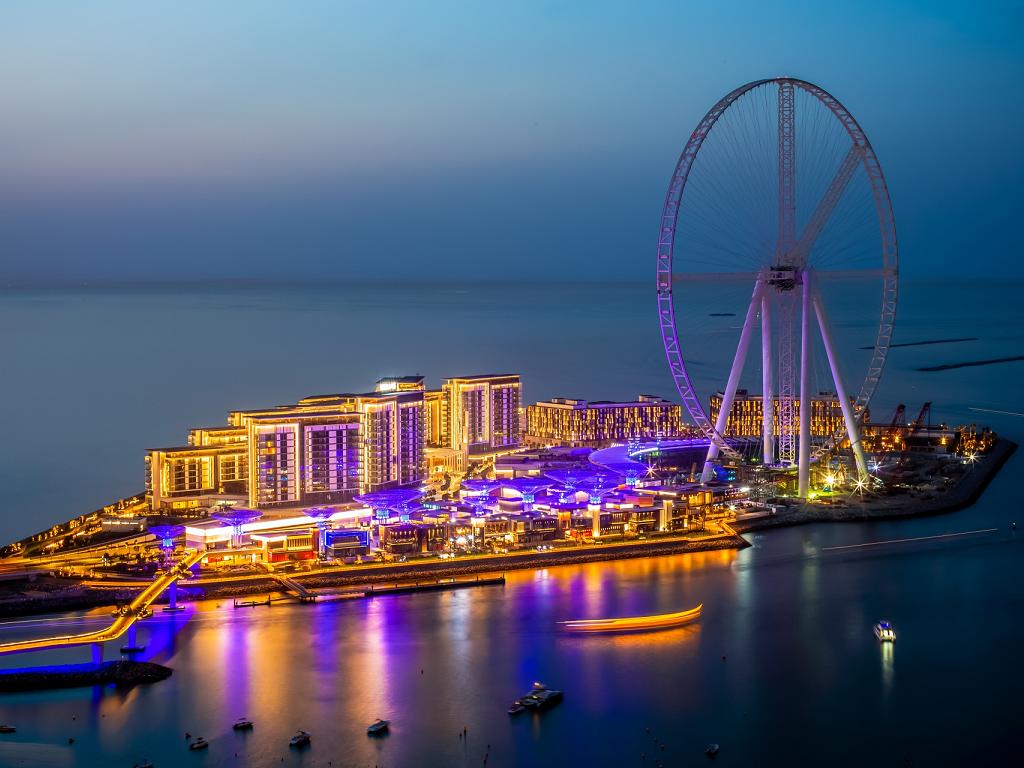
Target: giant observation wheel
778	213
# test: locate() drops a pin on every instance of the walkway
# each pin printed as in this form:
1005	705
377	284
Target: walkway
121	624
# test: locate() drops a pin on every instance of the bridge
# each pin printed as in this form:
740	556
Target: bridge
123	622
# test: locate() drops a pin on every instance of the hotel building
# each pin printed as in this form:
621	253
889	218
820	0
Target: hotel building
479	415
326	449
322	450
562	421
745	418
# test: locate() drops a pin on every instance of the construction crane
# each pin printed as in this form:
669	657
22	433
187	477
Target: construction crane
915	427
896	426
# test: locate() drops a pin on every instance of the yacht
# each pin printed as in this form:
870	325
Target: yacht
541	697
300	739
8	729
242	724
884	632
199	743
378	728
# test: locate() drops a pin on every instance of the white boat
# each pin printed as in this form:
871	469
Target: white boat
242	724
300	739
378	728
199	743
884	632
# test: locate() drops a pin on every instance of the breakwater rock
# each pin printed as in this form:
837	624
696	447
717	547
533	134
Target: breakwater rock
124	674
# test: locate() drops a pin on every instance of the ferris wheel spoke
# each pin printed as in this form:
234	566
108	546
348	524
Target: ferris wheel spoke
827	205
750	277
787	169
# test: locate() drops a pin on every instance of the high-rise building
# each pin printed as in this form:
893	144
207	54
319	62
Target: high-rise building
479	415
747	414
322	450
564	421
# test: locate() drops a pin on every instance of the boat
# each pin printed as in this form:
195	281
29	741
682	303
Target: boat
884	632
300	739
242	724
711	750
199	743
378	728
516	707
8	729
144	764
634	623
541	697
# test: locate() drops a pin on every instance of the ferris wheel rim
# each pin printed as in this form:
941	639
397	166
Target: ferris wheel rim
666	256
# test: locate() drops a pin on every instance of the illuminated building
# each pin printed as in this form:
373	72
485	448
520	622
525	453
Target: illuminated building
745	418
400	384
186	477
322	450
433	408
563	421
480	414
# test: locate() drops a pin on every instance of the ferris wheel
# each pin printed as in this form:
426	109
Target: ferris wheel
777	214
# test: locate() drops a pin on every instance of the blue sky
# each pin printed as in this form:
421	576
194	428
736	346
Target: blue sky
460	139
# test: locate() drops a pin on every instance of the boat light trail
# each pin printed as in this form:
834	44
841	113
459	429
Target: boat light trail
904	541
990	410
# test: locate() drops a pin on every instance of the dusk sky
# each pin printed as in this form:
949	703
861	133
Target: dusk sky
465	140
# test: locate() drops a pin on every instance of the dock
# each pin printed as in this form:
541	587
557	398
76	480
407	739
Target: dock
399	588
295	590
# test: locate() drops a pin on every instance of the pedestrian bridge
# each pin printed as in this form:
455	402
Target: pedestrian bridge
121	624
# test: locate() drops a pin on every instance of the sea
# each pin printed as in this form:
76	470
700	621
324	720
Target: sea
782	668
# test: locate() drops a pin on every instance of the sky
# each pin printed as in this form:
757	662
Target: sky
465	140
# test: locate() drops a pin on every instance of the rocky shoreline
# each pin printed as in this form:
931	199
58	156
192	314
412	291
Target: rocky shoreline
123	674
960	496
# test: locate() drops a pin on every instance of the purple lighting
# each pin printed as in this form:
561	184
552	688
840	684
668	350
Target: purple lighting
528	488
236	518
382	502
322	517
166	534
569	479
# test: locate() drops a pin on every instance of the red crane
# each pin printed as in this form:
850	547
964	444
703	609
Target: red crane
926	410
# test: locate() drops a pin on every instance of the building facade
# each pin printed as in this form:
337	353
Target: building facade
479	415
563	421
321	450
746	415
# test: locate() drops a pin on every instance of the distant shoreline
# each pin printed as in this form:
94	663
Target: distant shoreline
951	366
929	341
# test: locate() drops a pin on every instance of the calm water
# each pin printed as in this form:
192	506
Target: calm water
803	682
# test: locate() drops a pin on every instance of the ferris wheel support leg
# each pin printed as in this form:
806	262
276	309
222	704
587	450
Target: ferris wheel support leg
767	388
734	379
844	402
804	461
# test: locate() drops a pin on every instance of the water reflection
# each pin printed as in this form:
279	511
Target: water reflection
887	652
